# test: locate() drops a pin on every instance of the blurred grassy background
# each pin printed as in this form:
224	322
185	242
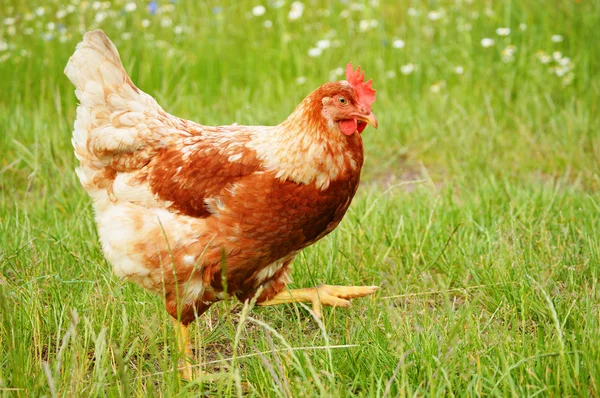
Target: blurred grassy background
481	184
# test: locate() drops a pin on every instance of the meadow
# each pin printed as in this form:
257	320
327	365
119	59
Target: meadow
478	212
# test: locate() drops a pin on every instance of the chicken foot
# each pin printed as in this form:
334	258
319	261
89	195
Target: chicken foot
182	334
335	296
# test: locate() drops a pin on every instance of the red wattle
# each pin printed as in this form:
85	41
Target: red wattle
348	126
361	127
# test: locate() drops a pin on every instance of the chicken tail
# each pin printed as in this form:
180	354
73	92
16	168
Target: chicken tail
111	132
96	59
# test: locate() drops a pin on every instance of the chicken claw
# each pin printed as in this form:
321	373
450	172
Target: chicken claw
334	296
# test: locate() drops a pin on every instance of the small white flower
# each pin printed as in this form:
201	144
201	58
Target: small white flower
407	69
125	35
3	45
9	21
50	26
508	54
437	87
166	22
363	25
557	38
296	10
398	43
323	44
100	16
487	42
145	23
28	16
435	15
344	14
28	31
335	73
47	36
545	58
259	10
565	61
557	55
63	38
178	29
503	31
301	80
523	26
130	7
70	8
294	14
268	24
560	72
60	14
11	30
315	52
96	5
390	74
39	11
413	12
373	23
459	70
278	4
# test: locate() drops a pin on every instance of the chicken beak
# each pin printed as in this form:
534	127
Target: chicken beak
369	119
372	120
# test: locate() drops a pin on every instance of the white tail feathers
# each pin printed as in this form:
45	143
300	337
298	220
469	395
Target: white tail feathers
96	59
113	116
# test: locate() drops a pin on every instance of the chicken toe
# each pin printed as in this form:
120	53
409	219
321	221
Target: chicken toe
333	296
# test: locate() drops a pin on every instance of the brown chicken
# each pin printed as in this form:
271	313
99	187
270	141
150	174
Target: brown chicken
199	213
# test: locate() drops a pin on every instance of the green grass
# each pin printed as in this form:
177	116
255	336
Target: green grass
478	215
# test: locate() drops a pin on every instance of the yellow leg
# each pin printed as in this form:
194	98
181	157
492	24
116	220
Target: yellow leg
335	296
182	333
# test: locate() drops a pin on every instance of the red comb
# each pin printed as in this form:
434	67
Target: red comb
364	90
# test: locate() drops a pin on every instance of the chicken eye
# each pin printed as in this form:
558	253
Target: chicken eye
342	100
